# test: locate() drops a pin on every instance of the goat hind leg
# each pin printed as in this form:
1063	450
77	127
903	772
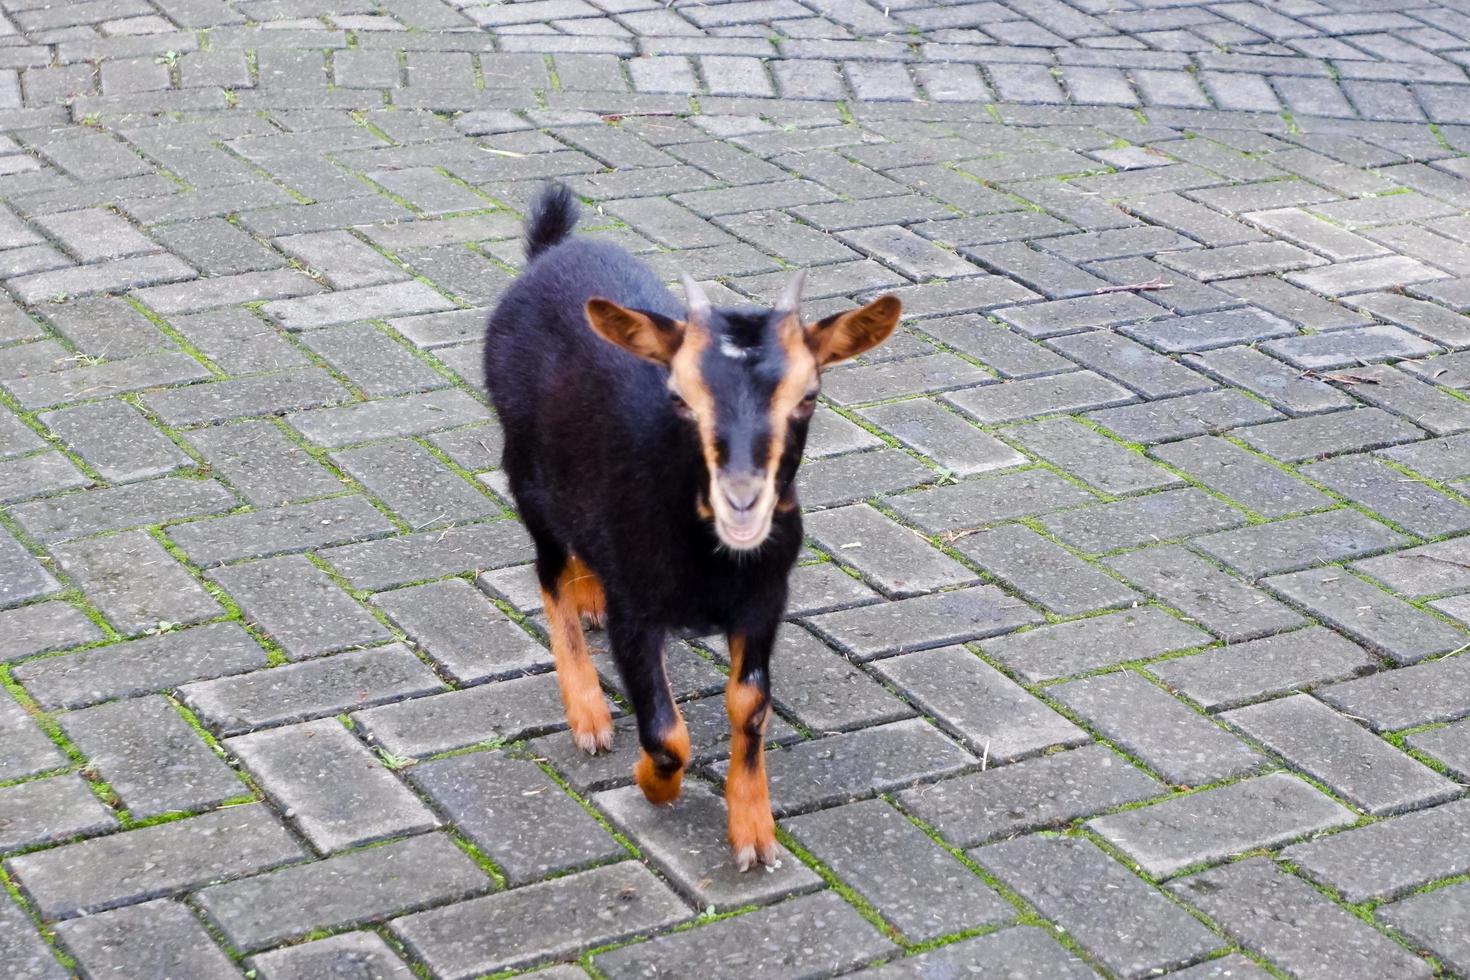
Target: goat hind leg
581	692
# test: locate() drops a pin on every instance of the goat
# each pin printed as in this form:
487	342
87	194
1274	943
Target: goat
651	449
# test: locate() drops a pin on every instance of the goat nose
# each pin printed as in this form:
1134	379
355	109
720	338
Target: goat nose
741	492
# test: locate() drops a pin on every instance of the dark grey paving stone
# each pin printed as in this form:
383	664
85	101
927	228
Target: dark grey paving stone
992	716
858	384
415	484
135	582
852	477
1406	394
1092	457
1150	374
922	622
1449	745
913	883
44	389
1082	645
1206	331
1142	520
823	588
1392	857
1049	791
299	606
383	418
975	503
1287	921
1180	745
953	442
390	562
854	765
1063	316
1316	436
361	801
1380	621
1004	351
547	921
153	862
1427	570
1406	697
26	955
1220	603
151	756
802	937
1017	953
258	459
894	559
1357	765
1438	459
362	954
24	748
348	889
115	439
22	576
44	811
683	841
310	689
1298	543
690	673
465	634
1238	673
1414	506
1232	967
1283	386
152	663
507	710
281	530
375	362
1348	348
1130	927
515	813
1009	401
38	475
1434	921
1214	824
255	395
1043	571
822	690
1226	468
831	434
156	939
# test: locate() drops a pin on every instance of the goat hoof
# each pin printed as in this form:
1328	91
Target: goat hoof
749	855
594	739
658	789
594	620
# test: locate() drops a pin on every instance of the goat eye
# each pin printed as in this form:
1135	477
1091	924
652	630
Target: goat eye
680	406
810	398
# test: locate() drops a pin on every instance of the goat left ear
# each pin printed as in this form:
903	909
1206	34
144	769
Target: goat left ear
853	332
648	335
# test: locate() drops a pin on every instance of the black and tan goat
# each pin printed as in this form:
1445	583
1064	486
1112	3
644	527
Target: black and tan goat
651	448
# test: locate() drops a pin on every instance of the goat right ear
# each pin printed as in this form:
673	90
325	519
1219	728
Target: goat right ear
648	335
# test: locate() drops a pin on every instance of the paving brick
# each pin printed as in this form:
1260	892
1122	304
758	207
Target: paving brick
1242	672
1082	645
75	515
1291	924
1449	745
1141	932
1425	405
895	560
1426	319
278	530
1350	348
376	364
875	382
1213	824
115	439
1290	545
1427	570
1284	387
1183	417
45	811
1435	691
1126	362
517	928
1044	572
389	562
464	633
505	710
1049	791
1141	520
1380	621
1024	950
298	606
153	862
156	939
26	954
24	748
922	622
24	576
135	582
1205	331
344	953
1430	921
1411	504
1107	465
1248	479
383	418
942	435
1205	594
974	503
258	460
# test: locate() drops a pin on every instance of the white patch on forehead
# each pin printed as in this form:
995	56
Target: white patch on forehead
729	348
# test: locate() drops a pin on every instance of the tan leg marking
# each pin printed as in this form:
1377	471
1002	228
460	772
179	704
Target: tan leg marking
581	693
661	782
752	829
587	594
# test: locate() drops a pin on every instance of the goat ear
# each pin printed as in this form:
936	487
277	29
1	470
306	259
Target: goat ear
648	335
852	332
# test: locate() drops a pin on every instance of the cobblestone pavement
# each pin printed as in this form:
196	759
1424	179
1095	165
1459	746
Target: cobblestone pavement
1132	634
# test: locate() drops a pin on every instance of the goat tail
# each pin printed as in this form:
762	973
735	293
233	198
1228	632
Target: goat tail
552	217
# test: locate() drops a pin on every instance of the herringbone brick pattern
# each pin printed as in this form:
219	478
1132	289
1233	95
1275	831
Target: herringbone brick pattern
1133	632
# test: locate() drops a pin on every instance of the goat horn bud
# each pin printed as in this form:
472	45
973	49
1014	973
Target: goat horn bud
790	300
695	301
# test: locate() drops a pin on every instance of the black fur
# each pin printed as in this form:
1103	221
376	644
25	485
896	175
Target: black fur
601	467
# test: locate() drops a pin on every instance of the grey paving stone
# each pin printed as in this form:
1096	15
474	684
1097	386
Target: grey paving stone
465	634
239	342
151	756
943	436
42	390
1014	953
677	839
519	928
1142	520
505	710
821	690
24	747
309	689
1012	400
1183	417
1431	921
1214	824
382	418
75	515
1082	645
389	562
515	813
1406	394
1290	923
1382	622
806	935
45	811
1044	572
1349	348
38	475
115	439
298	606
279	530
24	577
859	764
1284	387
1232	967
1070	881
1166	736
1226	468
1411	504
1450	746
853	477
363	953
892	558
1004	351
1151	375
1283	546
1049	791
43	626
359	802
824	587
156	939
912	882
348	889
258	460
975	503
1438	690
1206	331
922	622
1426	570
1387	859
1096	459
26	954
135	582
154	862
1220	603
408	478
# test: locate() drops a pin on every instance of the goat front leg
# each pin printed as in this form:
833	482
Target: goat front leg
752	829
662	735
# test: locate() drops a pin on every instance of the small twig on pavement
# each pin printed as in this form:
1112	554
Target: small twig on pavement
1136	287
